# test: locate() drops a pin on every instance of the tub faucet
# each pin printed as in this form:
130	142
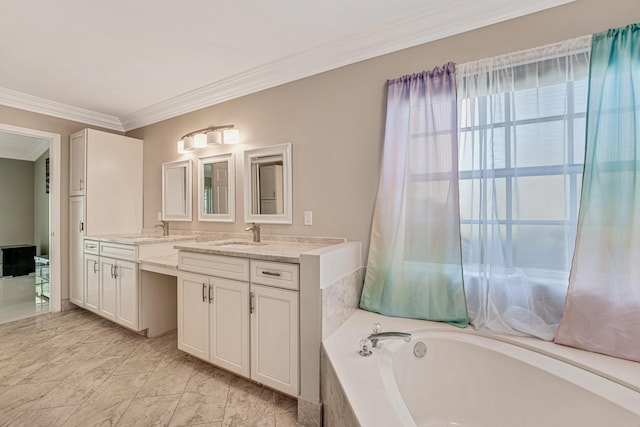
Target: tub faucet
165	227
374	338
255	229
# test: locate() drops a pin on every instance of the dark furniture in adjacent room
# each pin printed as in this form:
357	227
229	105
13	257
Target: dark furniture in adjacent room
18	260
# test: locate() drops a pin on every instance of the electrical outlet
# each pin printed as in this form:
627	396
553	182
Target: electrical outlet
308	218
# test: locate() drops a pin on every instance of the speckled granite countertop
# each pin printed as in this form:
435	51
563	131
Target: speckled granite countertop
165	261
140	238
277	251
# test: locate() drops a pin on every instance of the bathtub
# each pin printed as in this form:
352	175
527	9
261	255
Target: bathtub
469	378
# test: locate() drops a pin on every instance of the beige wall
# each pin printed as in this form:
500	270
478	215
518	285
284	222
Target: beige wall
16	206
40	206
335	120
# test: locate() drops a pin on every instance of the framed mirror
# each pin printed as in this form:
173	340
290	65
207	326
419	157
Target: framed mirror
176	191
216	188
267	185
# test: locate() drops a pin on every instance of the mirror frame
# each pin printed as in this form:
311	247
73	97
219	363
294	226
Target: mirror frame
231	189
186	164
283	150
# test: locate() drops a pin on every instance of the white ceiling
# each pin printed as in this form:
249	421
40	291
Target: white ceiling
20	147
124	64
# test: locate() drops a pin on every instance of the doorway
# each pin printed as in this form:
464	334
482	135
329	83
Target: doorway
29	241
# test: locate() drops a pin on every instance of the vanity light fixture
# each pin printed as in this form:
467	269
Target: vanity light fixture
225	134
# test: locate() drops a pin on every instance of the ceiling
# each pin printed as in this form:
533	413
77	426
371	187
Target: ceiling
124	64
20	147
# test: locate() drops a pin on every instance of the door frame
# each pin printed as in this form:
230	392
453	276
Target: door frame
54	207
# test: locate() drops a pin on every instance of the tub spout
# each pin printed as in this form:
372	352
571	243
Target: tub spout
374	338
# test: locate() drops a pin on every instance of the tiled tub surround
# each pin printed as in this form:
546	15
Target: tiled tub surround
331	280
75	368
527	375
340	300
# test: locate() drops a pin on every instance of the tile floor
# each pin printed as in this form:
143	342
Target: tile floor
76	369
18	298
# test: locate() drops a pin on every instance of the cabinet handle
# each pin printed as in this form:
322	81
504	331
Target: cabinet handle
252	298
92	246
271	273
204	291
115	271
210	295
81	226
95	266
81	184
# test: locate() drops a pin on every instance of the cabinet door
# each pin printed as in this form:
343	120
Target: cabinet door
77	147
274	338
114	183
76	247
229	324
193	314
92	283
108	288
126	273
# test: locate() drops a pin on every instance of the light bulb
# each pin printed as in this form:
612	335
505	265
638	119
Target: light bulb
230	136
200	140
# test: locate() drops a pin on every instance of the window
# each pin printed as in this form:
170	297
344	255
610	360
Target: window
521	151
521	160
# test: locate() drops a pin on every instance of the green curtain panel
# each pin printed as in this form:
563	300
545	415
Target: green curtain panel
414	267
602	310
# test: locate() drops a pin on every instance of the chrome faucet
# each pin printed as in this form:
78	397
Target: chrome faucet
165	227
374	338
255	229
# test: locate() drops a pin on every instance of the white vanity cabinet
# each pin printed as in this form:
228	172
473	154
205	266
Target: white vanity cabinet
275	325
213	310
242	315
91	276
119	284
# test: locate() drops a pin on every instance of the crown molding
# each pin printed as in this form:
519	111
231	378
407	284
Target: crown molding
395	36
23	101
433	25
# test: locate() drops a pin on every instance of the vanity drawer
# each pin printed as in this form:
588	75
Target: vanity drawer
91	247
214	265
118	250
275	274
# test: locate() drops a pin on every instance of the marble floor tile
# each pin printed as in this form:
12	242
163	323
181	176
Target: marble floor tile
150	411
75	368
249	404
169	377
42	417
109	402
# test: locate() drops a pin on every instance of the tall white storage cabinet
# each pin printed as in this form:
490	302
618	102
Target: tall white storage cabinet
105	188
76	248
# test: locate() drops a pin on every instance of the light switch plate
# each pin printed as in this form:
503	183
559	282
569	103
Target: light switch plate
308	218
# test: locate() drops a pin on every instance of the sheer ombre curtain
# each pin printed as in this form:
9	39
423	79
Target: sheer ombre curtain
414	267
521	153
602	312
